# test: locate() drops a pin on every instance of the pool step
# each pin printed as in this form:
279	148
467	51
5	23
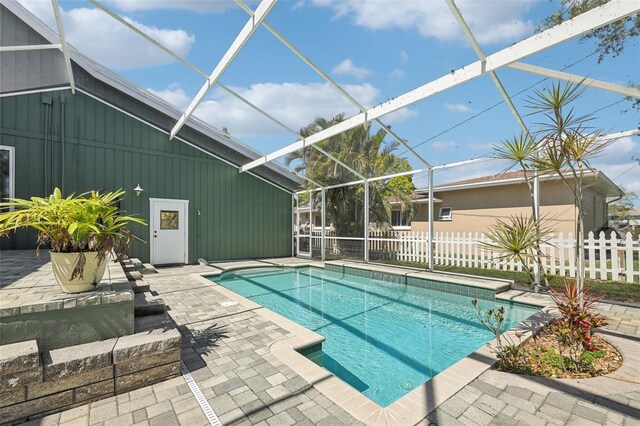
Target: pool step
146	304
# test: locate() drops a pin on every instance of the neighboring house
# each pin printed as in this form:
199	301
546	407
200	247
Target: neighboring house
474	205
630	222
112	134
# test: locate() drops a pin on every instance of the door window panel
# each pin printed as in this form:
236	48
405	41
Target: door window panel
169	219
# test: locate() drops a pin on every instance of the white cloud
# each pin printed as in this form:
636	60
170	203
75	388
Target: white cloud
480	146
626	175
399	115
616	160
468	171
619	151
433	19
296	105
443	145
298	5
347	67
112	44
397	73
174	95
198	6
457	107
404	57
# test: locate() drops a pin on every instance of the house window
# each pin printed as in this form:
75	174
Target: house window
7	172
318	220
398	218
446	213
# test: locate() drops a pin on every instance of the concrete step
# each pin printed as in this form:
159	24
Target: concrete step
134	275
148	268
140	286
136	262
128	267
153	322
146	304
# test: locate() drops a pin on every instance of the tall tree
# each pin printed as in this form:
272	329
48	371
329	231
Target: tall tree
367	153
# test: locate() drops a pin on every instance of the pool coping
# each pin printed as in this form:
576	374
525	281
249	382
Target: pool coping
412	407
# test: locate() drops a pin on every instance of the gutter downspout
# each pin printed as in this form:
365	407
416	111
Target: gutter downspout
48	102
62	154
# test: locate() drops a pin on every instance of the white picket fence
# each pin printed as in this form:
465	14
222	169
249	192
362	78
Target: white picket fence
606	257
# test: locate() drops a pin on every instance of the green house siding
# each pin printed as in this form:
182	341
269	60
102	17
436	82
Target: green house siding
241	216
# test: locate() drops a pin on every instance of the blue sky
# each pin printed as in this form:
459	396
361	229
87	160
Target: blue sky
376	50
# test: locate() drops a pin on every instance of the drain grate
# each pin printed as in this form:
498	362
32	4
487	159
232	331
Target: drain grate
204	404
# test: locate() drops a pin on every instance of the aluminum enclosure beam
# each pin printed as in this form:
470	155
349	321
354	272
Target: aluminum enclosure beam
241	39
323	213
431	218
595	18
590	82
26	47
366	221
481	55
332	82
634	132
206	76
63	45
505	96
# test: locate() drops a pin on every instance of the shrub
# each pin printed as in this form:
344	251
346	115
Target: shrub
573	329
508	352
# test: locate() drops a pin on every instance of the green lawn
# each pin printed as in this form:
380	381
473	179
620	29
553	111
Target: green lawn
609	290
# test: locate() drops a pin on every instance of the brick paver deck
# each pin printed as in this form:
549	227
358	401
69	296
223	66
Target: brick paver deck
226	348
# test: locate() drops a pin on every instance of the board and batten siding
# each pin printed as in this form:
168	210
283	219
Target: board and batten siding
241	216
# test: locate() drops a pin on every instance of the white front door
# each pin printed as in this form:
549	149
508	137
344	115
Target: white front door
169	231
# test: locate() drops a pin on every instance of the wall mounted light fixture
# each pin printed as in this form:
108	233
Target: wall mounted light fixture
138	190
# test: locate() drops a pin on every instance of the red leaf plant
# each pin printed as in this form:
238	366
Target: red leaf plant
573	328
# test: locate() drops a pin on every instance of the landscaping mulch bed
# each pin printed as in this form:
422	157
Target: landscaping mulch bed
540	357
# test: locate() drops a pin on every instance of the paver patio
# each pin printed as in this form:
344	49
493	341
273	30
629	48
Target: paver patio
226	349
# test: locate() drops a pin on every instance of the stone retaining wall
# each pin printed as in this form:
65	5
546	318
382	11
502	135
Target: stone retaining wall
32	305
32	384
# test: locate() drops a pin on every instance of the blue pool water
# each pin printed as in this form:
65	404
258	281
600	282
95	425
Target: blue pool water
382	338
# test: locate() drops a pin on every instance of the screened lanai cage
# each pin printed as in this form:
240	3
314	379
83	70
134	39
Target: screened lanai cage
356	201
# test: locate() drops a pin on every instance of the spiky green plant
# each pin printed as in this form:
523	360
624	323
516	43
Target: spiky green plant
566	147
518	238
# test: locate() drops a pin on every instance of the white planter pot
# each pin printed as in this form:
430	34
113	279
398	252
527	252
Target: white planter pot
63	264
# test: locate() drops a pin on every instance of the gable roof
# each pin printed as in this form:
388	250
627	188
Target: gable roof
598	180
97	81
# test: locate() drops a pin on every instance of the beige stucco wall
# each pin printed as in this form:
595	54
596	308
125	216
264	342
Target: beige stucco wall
477	209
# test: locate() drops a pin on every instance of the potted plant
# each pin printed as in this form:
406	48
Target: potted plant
82	230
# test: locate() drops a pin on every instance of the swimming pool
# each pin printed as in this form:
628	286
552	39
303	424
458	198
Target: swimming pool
383	338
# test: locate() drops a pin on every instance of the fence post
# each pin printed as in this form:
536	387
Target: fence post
591	249
613	241
602	249
571	242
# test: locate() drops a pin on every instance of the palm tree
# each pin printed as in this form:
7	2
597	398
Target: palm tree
566	147
368	154
563	145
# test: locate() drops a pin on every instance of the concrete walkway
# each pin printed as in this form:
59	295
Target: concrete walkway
226	348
